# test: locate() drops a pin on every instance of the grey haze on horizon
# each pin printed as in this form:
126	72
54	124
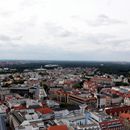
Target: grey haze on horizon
65	30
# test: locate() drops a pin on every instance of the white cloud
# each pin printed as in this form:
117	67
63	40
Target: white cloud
64	29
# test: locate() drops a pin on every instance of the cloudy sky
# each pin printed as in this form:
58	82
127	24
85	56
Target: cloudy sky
65	30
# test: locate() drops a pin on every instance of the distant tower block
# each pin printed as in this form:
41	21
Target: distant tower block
41	67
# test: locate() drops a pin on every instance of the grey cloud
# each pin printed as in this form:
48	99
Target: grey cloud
6	38
8	45
103	20
56	30
5	13
94	38
26	25
103	41
118	41
112	40
100	38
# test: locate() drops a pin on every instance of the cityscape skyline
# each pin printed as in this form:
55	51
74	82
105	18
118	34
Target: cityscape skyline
64	65
80	30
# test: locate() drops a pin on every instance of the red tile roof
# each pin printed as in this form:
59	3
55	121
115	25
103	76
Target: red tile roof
58	127
45	110
125	116
20	107
113	123
117	110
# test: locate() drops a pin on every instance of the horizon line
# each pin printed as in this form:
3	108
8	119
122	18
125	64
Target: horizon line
61	60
